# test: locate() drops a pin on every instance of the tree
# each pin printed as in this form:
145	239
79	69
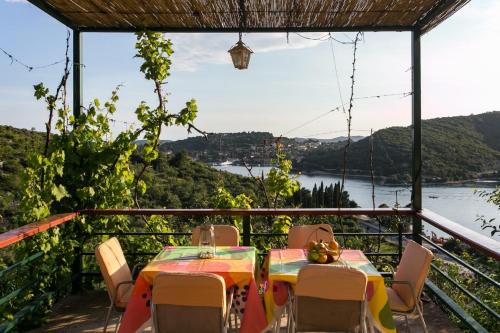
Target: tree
494	198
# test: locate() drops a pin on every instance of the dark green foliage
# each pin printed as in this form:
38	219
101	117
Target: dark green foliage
454	148
176	181
322	197
15	144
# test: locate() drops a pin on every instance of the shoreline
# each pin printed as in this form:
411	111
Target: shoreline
382	180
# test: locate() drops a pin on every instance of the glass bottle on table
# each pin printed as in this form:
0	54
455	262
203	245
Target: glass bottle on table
206	243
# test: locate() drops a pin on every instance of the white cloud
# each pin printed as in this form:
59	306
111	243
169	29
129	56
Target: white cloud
16	1
195	49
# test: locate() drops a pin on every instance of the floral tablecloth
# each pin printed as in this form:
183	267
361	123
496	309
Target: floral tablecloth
235	264
284	266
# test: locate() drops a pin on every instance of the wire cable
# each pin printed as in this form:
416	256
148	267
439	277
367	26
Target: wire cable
28	67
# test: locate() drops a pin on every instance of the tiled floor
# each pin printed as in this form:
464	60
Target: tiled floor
85	313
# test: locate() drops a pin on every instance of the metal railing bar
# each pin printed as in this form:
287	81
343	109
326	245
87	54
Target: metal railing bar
477	241
462	262
253	212
15	293
125	253
377	254
18	291
141	234
21	263
15	235
455	308
8	326
258	234
466	292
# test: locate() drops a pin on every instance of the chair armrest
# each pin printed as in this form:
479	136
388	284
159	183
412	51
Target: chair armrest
409	285
121	284
137	269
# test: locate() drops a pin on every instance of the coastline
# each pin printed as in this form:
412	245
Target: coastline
383	180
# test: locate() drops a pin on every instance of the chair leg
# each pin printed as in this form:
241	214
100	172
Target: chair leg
108	315
118	323
421	316
288	318
407	324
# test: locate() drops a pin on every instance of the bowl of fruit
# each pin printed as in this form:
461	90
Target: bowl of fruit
323	253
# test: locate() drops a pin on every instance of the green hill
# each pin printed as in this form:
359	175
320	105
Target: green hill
175	181
15	144
253	147
453	148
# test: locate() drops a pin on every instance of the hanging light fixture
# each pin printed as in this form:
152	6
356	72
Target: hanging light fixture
240	54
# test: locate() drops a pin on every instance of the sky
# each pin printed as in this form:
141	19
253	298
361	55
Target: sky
288	83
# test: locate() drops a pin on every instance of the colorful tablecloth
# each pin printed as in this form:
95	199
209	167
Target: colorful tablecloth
235	264
284	266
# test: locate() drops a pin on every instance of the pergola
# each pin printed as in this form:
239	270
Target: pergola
415	16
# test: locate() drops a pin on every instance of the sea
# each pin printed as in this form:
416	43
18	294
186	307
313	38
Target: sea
457	202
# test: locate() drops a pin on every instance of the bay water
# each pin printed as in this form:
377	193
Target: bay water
458	203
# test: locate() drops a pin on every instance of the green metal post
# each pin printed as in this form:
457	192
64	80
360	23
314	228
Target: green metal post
77	73
416	199
246	230
400	240
77	104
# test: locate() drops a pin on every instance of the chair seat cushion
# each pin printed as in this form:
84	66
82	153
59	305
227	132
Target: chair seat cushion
396	303
126	292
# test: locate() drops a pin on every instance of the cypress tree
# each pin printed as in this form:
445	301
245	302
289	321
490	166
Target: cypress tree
321	195
314	195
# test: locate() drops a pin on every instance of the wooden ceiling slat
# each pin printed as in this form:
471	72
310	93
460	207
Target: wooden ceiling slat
199	15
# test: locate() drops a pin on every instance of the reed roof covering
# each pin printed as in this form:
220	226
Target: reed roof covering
250	15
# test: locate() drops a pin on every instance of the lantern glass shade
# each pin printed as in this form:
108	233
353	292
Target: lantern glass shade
206	243
240	54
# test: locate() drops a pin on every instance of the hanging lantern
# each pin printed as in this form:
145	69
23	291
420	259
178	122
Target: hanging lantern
240	54
206	243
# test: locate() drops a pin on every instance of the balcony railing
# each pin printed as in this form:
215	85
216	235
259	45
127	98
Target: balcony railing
14	296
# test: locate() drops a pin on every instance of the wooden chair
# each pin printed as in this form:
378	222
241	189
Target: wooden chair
408	283
329	299
116	274
225	235
190	302
300	235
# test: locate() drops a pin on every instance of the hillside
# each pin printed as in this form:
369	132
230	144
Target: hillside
14	147
453	148
175	181
253	147
250	147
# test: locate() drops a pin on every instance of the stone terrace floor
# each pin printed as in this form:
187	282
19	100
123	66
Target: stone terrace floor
85	313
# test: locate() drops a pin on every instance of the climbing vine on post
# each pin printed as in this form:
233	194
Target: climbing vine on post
86	166
156	52
348	115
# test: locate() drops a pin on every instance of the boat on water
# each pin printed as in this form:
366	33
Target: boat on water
225	163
